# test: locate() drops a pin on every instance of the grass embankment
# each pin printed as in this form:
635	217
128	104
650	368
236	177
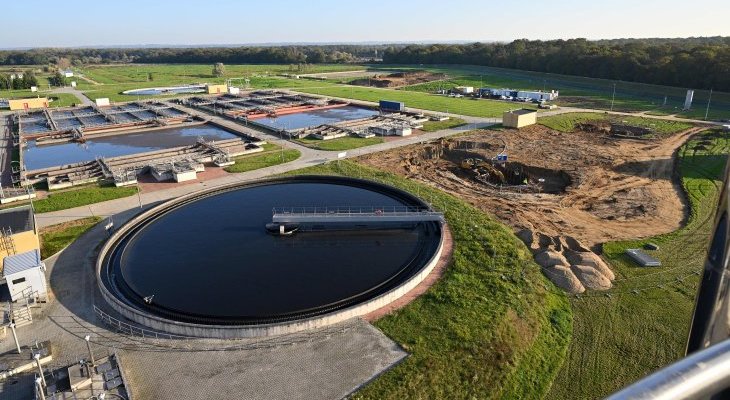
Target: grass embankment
56	237
80	197
642	324
492	327
464	106
568	121
433	126
343	143
271	156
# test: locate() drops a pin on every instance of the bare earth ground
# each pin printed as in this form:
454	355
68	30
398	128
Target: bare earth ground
619	188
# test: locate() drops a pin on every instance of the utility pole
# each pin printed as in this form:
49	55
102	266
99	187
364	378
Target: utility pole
613	96
707	111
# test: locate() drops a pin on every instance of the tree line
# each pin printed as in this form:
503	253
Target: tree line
700	63
13	81
204	55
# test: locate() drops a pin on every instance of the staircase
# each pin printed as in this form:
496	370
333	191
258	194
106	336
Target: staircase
6	241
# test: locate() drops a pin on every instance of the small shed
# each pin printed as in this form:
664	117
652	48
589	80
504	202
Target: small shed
216	89
27	104
519	118
25	272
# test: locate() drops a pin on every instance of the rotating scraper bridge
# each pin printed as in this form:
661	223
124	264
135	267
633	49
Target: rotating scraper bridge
322	215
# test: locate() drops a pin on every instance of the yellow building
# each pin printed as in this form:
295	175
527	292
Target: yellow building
18	233
27	104
216	89
519	118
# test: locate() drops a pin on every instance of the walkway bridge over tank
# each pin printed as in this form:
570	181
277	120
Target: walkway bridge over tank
358	215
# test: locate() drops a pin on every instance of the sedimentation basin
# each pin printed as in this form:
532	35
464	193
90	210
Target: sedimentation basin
203	264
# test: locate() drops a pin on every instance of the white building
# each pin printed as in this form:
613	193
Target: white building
68	73
25	275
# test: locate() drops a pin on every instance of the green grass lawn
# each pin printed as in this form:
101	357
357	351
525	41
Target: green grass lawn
57	99
271	156
642	323
343	143
56	237
463	106
433	126
567	122
80	197
167	74
492	327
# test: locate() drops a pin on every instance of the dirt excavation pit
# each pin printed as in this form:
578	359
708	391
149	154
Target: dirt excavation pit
398	79
596	189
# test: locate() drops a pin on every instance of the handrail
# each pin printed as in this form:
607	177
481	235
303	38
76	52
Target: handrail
699	375
351	210
133	330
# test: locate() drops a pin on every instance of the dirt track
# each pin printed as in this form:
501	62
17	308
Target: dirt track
619	188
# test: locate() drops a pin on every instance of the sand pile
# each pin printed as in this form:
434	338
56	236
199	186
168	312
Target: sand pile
567	263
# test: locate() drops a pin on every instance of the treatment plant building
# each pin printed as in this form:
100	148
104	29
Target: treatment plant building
519	118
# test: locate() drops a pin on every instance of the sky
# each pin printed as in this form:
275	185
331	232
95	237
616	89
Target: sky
69	23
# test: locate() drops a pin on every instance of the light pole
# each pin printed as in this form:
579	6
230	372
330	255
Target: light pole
37	357
15	336
707	111
88	346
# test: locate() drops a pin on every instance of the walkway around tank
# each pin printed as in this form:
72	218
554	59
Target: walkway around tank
328	363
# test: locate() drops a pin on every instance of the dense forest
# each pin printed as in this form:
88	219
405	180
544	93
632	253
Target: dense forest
207	55
700	63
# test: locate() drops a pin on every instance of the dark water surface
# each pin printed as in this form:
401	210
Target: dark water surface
318	117
213	257
44	156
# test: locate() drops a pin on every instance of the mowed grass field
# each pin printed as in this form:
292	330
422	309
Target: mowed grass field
642	323
491	327
113	80
272	155
343	143
425	101
56	237
568	121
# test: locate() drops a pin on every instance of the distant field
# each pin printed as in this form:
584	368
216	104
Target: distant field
167	74
463	106
642	323
567	122
580	91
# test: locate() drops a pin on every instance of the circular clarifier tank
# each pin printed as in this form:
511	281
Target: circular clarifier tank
205	264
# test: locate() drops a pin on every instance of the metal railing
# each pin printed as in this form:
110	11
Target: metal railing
132	330
350	210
